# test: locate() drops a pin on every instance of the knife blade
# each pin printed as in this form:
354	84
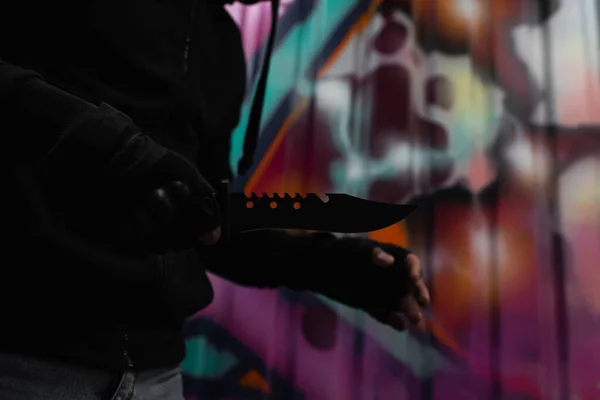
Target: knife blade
331	212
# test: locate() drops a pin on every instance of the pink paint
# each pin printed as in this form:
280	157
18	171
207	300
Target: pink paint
255	22
271	328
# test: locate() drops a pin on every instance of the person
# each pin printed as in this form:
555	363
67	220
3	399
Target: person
116	117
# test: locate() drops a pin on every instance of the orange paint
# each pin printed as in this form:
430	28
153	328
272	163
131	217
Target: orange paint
254	380
360	25
395	234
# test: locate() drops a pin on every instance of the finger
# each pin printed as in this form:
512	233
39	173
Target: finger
208	239
381	258
180	194
415	270
411	310
421	293
161	208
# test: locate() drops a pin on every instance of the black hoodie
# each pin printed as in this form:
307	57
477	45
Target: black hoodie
176	67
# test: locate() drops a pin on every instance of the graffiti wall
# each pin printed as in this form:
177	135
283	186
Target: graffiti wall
487	115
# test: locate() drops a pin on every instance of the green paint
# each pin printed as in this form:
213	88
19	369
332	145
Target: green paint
291	61
203	360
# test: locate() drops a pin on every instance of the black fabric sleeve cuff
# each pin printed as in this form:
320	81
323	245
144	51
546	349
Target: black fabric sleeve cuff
332	262
273	258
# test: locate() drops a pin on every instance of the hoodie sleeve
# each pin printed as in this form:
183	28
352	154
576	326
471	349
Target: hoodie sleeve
37	118
274	258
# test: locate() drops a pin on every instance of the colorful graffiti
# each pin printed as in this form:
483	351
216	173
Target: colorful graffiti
486	115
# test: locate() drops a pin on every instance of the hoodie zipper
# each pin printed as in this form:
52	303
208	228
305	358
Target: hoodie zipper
188	38
126	352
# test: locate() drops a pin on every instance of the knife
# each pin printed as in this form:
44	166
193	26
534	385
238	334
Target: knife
331	212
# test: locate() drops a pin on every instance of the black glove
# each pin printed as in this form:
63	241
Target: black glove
169	202
380	291
384	288
135	194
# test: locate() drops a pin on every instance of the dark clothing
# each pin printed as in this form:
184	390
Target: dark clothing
27	378
176	67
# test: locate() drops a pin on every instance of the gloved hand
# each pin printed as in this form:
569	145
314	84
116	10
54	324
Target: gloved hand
384	280
134	193
172	206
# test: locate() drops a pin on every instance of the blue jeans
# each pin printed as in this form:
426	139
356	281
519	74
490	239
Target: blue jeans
28	378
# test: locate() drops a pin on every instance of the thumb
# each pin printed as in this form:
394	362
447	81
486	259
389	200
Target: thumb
210	238
381	258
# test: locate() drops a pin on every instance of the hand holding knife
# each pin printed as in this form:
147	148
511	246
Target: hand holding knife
222	214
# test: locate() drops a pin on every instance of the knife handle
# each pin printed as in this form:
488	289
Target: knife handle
223	196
